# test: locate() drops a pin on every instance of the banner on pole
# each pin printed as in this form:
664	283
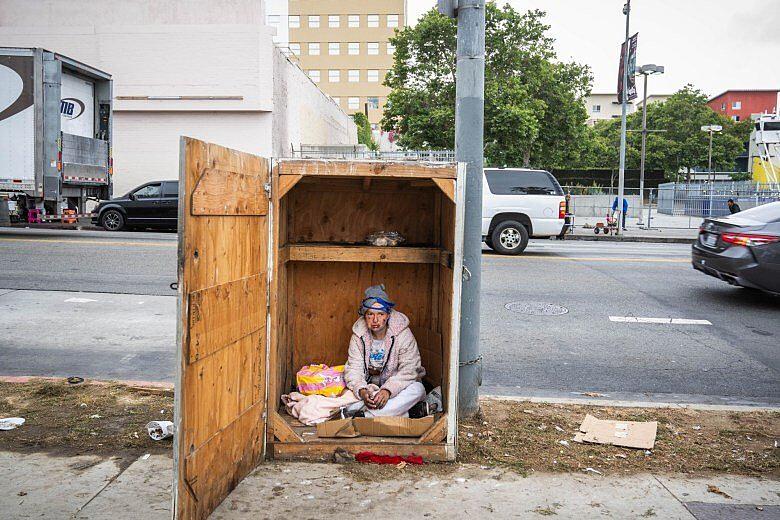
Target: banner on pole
631	90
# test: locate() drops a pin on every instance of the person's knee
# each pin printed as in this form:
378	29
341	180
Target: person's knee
417	389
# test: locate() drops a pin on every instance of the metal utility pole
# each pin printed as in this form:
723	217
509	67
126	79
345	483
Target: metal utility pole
645	70
469	133
624	110
711	129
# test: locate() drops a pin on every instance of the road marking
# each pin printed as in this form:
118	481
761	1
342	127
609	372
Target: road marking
93	242
79	300
600	259
668	321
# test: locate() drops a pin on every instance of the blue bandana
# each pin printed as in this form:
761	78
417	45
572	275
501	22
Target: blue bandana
368	303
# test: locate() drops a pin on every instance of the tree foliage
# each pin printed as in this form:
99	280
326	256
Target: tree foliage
681	145
534	105
364	134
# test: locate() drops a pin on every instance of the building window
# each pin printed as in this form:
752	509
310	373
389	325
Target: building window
314	75
373	102
723	106
596	109
390	48
337	100
392	20
354	76
372	48
294	21
735	118
372	20
373	76
334	76
295	48
353	20
273	20
314	21
314	49
736	105
353	103
334	48
334	21
354	48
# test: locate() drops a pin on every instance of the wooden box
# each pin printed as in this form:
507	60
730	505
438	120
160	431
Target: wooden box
272	267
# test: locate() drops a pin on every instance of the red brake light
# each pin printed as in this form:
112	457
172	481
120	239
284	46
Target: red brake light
562	209
746	239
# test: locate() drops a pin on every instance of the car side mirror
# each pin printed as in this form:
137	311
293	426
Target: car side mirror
131	196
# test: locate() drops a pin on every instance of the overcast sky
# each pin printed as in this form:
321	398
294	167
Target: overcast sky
715	44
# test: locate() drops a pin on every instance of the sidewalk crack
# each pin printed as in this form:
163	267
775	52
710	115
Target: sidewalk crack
108	483
674	496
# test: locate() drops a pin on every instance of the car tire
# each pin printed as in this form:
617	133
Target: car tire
489	243
509	238
112	220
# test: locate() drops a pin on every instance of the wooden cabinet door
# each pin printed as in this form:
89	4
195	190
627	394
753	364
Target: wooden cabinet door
220	413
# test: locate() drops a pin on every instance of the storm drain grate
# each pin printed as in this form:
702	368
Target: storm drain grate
536	308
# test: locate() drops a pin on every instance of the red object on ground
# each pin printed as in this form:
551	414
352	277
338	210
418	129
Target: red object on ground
373	458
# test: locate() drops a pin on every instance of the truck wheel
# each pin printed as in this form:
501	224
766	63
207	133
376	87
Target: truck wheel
509	238
489	243
112	220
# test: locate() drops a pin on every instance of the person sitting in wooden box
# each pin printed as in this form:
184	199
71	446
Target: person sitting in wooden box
384	368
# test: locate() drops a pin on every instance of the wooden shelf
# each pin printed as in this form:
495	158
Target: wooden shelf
352	253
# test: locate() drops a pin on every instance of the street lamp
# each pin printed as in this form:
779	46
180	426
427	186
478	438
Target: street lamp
645	70
711	129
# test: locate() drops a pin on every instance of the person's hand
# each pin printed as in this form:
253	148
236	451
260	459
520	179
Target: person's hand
366	397
381	398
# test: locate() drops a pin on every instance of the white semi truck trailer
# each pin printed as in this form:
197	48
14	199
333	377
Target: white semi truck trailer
55	132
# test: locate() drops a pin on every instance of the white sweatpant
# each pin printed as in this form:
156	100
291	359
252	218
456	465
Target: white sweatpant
397	406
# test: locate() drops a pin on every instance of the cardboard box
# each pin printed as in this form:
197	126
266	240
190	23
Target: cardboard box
392	426
629	434
337	428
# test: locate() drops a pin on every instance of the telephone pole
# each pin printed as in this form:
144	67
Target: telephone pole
469	135
624	110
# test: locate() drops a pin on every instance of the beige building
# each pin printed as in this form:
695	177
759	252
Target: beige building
604	106
652	98
343	46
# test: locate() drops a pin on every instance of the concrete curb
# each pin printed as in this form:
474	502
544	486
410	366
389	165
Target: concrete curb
632	404
624	238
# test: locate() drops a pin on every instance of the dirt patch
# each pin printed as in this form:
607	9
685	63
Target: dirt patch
527	437
379	472
95	419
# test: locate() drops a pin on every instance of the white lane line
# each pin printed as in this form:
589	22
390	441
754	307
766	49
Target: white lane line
79	300
668	321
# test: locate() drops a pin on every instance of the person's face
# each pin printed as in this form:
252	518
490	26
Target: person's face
730	203
376	320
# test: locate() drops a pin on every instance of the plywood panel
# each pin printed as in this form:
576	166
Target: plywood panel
213	320
220	388
431	354
343	253
354	168
221	192
329	213
324	300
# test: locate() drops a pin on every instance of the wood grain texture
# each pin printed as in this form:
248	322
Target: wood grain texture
353	168
220	388
342	212
285	184
447	186
223	192
323	451
339	253
282	430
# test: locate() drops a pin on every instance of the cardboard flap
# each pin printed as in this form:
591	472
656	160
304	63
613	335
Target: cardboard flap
337	428
393	426
629	434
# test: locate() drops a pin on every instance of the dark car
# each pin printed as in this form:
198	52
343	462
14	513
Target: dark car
151	205
742	249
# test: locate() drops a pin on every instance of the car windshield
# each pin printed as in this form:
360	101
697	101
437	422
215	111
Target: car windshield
764	213
522	182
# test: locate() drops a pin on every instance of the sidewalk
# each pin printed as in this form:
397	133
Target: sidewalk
665	229
90	487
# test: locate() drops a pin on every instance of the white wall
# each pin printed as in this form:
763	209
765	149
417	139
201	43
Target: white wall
182	48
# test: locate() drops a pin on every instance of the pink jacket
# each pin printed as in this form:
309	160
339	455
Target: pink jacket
402	362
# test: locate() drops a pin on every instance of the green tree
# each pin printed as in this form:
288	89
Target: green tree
681	145
364	134
534	105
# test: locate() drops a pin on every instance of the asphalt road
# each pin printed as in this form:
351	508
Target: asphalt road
126	328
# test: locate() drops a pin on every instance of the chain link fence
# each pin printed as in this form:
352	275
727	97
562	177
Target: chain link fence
362	152
705	199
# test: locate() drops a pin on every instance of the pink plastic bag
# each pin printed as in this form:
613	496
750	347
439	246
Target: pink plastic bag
321	380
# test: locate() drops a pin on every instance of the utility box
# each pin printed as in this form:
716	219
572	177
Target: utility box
273	262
